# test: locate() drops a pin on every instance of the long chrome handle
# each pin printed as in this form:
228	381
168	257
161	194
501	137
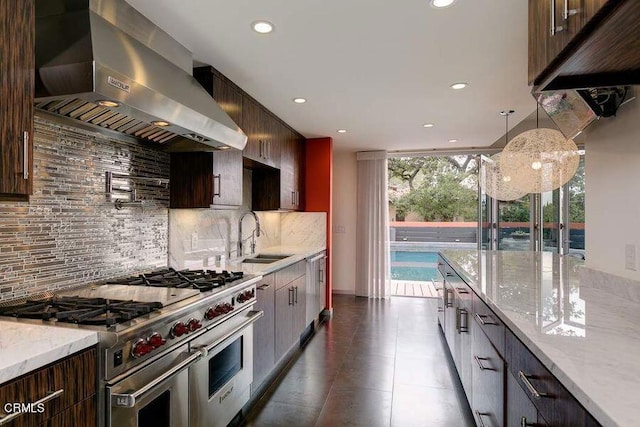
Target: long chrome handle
462	290
128	400
25	155
554	29
464	327
251	318
295	294
317	258
12	416
290	296
448	274
525	423
219	192
532	390
263	287
321	275
480	318
479	415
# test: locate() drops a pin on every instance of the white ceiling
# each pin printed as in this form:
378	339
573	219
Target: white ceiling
378	68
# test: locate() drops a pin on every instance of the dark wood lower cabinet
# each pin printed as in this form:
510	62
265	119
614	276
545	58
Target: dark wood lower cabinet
487	374
71	383
520	410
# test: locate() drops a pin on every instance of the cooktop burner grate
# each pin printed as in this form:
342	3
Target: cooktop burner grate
83	311
203	280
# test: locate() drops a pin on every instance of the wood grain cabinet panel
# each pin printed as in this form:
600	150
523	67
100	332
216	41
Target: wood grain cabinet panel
206	179
17	62
72	381
488	377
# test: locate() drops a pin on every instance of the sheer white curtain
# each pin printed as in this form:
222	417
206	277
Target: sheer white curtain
372	237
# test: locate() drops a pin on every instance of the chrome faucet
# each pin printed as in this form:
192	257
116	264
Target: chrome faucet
254	234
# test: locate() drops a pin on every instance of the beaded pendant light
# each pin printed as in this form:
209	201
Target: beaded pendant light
539	160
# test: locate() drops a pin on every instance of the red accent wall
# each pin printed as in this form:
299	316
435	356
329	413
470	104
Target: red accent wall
318	191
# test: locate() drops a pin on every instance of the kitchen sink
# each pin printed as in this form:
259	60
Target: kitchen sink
264	259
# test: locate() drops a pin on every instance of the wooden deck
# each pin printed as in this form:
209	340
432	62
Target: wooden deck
410	288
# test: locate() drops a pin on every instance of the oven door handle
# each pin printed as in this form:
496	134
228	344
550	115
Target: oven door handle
128	400
252	317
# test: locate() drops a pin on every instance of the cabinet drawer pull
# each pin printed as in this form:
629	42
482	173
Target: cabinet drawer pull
462	290
295	294
219	192
525	423
448	274
263	287
447	303
50	396
479	416
25	155
459	326
480	365
483	322
569	12
290	296
532	390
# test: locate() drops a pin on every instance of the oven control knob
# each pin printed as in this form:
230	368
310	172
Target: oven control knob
240	298
140	348
228	307
211	313
194	325
156	340
179	329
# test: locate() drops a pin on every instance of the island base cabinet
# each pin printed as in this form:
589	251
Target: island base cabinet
69	386
487	376
520	410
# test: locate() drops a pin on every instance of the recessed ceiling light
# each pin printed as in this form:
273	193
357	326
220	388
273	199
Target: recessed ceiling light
107	103
299	100
342	131
458	86
262	27
161	123
453	140
427	125
441	3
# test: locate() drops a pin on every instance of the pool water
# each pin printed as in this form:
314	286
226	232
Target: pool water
418	266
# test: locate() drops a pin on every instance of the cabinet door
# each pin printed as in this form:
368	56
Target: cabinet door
520	410
487	375
322	280
227	178
264	330
284	321
466	325
299	306
287	174
450	317
251	122
17	41
199	179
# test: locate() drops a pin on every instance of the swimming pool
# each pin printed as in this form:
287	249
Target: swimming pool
419	266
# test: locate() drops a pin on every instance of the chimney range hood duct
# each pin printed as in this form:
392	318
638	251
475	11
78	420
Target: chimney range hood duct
104	63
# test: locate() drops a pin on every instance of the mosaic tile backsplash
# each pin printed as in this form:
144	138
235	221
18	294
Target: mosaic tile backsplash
70	233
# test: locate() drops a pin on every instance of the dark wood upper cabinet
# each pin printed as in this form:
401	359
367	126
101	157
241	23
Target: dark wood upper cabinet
17	62
263	144
206	179
591	43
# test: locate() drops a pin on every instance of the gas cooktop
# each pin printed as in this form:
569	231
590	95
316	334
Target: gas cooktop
81	310
202	280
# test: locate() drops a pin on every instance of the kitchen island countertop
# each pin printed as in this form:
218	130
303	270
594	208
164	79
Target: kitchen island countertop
584	329
25	347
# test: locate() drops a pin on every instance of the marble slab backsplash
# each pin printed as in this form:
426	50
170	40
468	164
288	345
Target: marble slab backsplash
70	233
198	237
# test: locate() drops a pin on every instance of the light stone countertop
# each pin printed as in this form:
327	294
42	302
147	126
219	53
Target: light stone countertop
25	347
297	253
585	329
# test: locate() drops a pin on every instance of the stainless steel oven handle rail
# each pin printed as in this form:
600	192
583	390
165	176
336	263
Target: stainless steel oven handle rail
128	400
52	395
253	316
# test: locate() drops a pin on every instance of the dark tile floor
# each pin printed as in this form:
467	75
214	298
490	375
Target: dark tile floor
376	363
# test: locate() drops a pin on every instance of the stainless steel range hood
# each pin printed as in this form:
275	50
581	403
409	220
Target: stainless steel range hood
104	63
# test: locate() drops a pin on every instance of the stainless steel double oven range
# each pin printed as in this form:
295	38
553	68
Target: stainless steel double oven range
175	347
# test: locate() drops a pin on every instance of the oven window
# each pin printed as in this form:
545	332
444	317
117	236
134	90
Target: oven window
224	365
157	413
